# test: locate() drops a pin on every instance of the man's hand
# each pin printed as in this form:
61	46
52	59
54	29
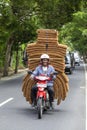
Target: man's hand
32	77
51	74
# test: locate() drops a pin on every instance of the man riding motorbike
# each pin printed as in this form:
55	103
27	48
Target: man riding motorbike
44	69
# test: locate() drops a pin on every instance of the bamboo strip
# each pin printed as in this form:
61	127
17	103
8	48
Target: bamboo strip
57	54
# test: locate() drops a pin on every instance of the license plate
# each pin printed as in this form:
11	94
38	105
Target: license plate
41	85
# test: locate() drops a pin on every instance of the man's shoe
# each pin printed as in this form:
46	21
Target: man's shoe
34	104
52	105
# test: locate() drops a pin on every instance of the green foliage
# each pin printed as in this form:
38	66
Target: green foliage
74	33
55	13
19	19
2	53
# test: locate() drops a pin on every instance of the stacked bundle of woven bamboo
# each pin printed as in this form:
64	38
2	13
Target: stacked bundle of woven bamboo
47	42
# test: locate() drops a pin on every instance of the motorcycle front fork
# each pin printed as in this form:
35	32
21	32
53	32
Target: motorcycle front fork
45	102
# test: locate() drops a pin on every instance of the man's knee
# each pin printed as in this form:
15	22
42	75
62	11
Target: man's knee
50	89
34	88
33	92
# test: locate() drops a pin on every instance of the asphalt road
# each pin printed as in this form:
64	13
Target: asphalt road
17	114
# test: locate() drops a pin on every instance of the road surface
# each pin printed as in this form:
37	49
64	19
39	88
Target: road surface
17	114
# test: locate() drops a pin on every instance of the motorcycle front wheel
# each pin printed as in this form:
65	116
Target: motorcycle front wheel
40	107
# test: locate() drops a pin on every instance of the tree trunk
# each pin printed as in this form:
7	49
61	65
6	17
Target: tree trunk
11	58
7	55
17	61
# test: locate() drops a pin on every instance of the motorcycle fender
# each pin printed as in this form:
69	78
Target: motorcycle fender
41	94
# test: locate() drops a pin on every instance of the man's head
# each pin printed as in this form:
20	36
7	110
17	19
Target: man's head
45	59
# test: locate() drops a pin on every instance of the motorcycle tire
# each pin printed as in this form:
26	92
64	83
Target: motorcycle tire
40	107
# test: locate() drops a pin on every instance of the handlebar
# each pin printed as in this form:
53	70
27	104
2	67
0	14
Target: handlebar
29	72
54	73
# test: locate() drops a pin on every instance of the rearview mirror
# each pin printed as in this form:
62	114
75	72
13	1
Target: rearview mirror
55	72
29	72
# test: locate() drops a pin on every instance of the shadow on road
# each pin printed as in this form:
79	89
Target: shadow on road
32	113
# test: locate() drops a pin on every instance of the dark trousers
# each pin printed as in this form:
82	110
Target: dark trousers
49	89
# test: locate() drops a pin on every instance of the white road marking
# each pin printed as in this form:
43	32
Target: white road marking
86	92
82	87
8	100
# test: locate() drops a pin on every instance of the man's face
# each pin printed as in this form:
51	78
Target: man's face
45	62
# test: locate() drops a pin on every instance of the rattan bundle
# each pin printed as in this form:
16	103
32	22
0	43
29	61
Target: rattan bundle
47	42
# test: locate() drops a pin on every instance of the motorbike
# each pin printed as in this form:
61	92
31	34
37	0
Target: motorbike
42	97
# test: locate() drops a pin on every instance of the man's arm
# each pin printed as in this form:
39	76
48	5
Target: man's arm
35	73
52	73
